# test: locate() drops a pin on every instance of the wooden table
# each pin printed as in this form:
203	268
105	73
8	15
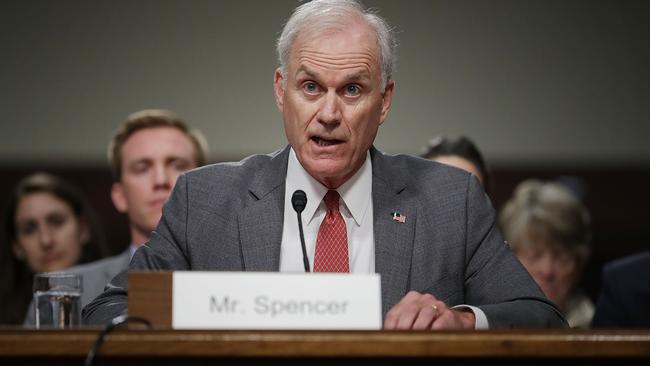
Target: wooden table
167	347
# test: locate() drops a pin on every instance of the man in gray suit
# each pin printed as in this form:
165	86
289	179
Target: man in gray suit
426	228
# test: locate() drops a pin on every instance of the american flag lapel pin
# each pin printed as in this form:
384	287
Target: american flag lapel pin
398	217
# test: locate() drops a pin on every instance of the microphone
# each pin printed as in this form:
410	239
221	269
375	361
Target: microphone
299	201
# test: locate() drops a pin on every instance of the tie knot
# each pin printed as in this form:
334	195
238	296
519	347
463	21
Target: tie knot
332	201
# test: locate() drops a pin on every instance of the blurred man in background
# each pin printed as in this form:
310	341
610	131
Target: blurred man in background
146	155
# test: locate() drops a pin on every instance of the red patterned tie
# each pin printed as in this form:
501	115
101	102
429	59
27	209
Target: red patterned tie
332	241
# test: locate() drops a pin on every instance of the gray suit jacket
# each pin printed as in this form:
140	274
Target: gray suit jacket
229	217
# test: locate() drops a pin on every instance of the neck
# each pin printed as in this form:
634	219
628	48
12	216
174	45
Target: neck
138	237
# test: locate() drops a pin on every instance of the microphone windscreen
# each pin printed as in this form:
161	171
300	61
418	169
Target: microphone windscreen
299	200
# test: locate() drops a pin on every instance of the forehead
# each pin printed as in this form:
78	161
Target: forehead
539	236
353	47
157	142
39	202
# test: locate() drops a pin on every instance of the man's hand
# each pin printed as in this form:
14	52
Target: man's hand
423	311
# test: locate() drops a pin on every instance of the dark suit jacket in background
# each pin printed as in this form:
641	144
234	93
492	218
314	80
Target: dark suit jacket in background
229	217
624	300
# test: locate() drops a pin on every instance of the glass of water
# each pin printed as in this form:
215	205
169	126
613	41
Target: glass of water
57	300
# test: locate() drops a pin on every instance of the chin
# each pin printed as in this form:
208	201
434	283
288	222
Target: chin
326	169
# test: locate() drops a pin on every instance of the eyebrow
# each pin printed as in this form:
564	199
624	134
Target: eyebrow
166	159
357	76
304	69
138	161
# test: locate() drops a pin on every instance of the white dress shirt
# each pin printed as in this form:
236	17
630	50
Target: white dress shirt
355	206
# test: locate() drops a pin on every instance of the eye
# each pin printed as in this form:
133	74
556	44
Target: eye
565	259
27	228
140	167
310	87
352	90
56	220
180	164
532	254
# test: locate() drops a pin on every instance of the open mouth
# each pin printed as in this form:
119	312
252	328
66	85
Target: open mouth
323	142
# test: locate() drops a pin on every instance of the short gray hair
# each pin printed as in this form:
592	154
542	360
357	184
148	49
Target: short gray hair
335	14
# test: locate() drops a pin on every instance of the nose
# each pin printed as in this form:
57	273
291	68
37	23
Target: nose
45	237
545	267
161	177
330	111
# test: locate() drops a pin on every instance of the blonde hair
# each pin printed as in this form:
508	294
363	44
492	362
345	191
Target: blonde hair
150	118
548	214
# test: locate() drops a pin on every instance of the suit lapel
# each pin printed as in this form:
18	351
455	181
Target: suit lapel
393	239
261	220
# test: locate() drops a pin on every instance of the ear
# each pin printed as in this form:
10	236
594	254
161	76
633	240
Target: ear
387	100
278	89
119	200
19	252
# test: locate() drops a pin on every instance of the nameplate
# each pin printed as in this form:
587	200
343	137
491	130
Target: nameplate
261	300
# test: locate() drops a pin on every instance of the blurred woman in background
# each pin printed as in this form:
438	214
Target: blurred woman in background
461	153
48	227
549	230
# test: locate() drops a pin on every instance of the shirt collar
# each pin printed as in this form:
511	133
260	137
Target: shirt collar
132	248
356	193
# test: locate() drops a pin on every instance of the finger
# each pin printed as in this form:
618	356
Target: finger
419	310
451	319
426	317
444	321
442	315
394	316
407	316
390	322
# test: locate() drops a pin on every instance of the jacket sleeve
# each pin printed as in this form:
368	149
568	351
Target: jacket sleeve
166	250
495	280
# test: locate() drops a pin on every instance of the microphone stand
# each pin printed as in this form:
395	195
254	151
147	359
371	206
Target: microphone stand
299	201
